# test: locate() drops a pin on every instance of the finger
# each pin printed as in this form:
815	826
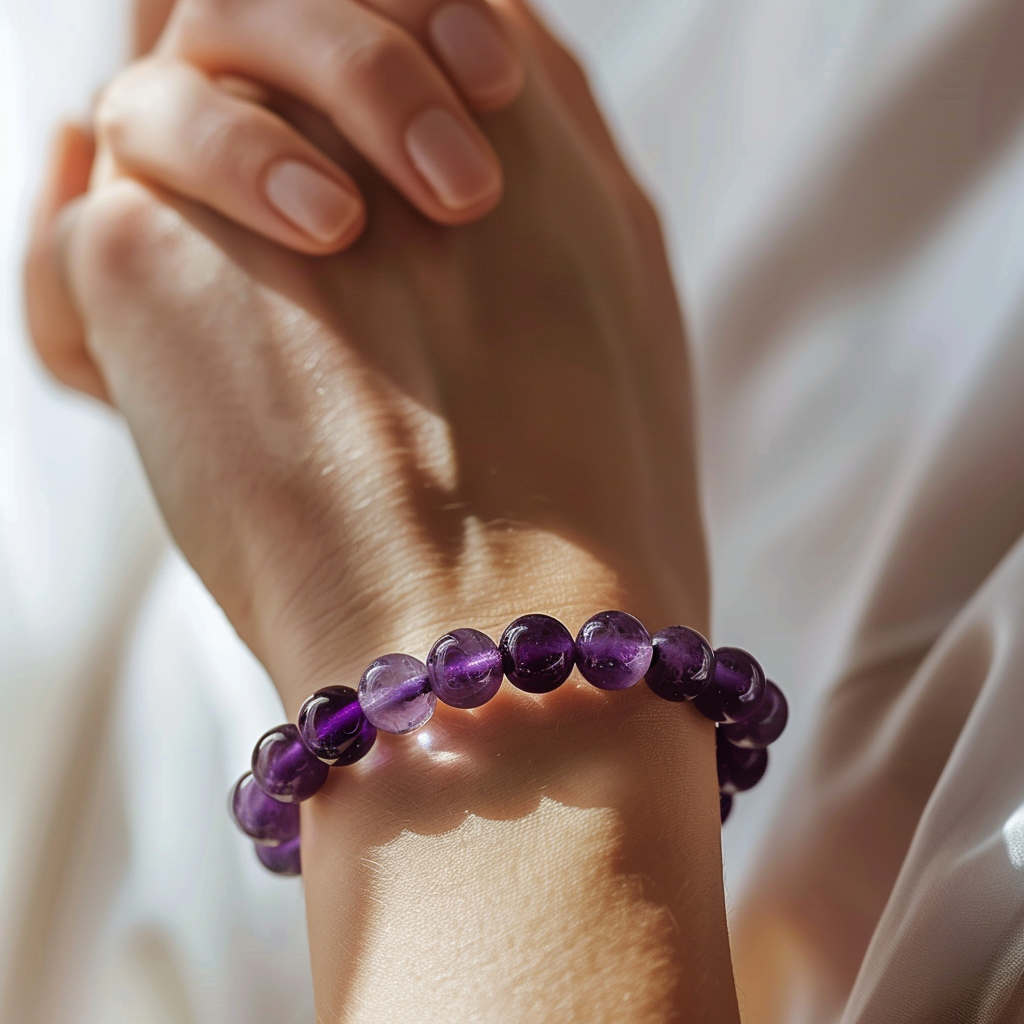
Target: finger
376	83
167	121
53	321
470	40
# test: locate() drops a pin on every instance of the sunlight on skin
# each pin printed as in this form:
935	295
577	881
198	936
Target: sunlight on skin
419	884
426	742
504	866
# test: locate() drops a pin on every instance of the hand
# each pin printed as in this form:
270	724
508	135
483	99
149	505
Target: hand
206	115
578	357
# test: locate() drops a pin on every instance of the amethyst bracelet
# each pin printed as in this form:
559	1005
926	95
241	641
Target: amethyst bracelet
464	669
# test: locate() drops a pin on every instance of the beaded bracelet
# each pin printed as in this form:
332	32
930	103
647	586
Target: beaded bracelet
464	669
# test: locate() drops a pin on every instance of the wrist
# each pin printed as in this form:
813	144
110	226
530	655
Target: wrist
330	633
594	832
585	820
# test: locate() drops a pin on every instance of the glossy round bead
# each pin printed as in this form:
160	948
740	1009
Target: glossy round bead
537	653
395	693
764	725
724	805
261	817
333	727
285	859
681	663
739	769
464	668
613	650
284	768
736	687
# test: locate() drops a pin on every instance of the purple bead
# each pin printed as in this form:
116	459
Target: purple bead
285	859
613	650
395	693
333	727
736	687
537	653
284	768
738	769
724	805
763	725
464	667
261	817
681	663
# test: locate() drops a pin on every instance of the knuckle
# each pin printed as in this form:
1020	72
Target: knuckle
122	232
218	144
114	106
145	91
376	62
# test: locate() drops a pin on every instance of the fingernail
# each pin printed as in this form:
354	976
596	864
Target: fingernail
454	164
476	53
310	200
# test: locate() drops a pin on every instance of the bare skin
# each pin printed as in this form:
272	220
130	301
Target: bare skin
443	426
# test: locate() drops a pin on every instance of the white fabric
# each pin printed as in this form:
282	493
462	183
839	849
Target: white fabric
843	191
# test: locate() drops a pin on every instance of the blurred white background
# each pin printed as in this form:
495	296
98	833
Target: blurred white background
848	231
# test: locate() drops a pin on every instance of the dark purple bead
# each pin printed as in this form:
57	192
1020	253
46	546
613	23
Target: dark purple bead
738	768
284	768
613	650
285	859
261	817
736	687
763	725
464	668
537	653
333	727
681	663
395	693
724	805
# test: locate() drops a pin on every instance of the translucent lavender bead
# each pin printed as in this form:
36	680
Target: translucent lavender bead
395	693
284	768
724	805
613	650
464	668
261	817
764	725
736	687
285	859
681	663
333	727
537	653
739	769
